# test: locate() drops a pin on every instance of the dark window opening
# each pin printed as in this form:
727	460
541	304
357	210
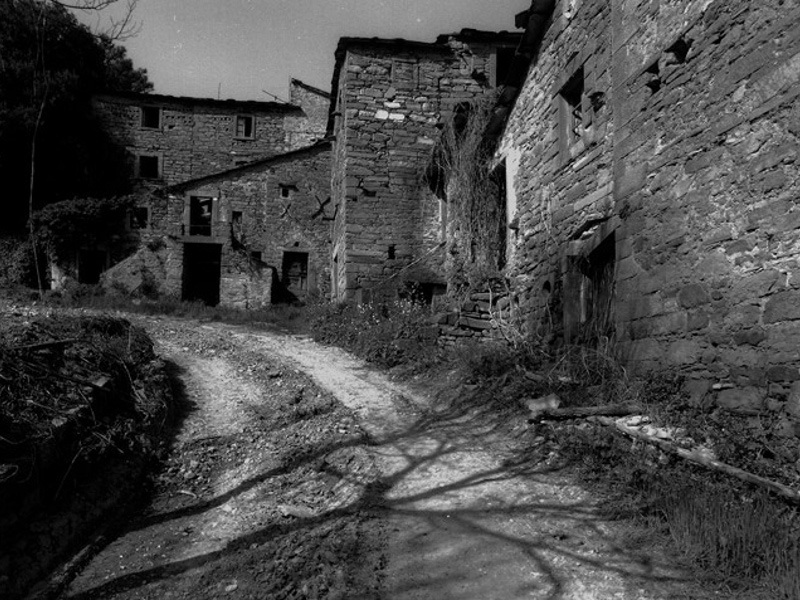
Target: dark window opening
244	127
680	50
148	167
200	213
653	77
255	256
236	223
572	103
505	58
140	218
286	191
391	252
151	117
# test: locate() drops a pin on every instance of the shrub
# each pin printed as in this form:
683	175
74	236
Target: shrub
387	332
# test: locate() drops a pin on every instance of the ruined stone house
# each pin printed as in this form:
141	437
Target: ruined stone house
172	139
652	154
242	238
187	157
390	101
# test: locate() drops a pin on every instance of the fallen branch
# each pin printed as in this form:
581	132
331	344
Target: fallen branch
45	345
582	412
698	457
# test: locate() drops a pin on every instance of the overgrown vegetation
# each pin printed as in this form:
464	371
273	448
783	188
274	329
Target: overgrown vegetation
463	174
64	226
386	332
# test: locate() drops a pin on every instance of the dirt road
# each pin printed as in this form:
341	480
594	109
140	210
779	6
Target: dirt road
299	472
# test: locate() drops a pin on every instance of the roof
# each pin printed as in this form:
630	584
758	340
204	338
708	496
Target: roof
256	165
249	105
310	88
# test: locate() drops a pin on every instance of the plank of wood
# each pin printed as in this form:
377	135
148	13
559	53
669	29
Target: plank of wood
697	457
582	412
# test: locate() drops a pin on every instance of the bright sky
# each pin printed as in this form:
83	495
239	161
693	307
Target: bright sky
241	47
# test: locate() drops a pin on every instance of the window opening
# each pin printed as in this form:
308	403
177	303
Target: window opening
572	102
151	117
404	74
653	77
140	218
200	211
505	58
391	252
244	127
286	191
148	167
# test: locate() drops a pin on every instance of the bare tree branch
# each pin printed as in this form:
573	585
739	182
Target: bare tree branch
119	29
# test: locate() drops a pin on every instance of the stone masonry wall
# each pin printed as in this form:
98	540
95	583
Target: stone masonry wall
197	138
563	182
283	204
708	181
393	96
315	104
690	173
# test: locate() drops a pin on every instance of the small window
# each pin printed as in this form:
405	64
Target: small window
504	60
572	108
392	252
151	117
286	190
244	127
404	73
149	167
140	217
201	210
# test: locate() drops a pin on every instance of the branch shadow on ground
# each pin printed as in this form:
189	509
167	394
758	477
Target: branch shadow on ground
479	505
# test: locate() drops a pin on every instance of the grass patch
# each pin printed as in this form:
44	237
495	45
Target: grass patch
388	333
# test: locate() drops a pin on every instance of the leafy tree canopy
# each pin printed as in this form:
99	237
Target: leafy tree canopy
50	66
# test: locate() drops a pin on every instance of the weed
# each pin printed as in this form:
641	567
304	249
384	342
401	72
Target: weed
389	332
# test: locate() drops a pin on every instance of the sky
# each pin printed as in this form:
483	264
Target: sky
249	49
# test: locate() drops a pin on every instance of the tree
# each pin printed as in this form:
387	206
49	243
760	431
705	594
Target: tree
51	145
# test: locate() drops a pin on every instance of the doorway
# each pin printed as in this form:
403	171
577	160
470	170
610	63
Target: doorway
201	272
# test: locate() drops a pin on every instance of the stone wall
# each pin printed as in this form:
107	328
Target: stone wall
482	317
681	181
196	137
708	168
562	181
315	104
260	212
392	97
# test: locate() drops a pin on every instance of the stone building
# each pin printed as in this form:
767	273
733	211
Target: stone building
653	165
390	100
241	238
172	139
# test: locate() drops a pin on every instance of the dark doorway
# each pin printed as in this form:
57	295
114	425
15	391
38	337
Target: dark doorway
91	263
294	272
201	272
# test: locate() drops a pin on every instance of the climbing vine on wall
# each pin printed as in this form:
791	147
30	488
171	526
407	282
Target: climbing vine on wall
64	226
462	173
